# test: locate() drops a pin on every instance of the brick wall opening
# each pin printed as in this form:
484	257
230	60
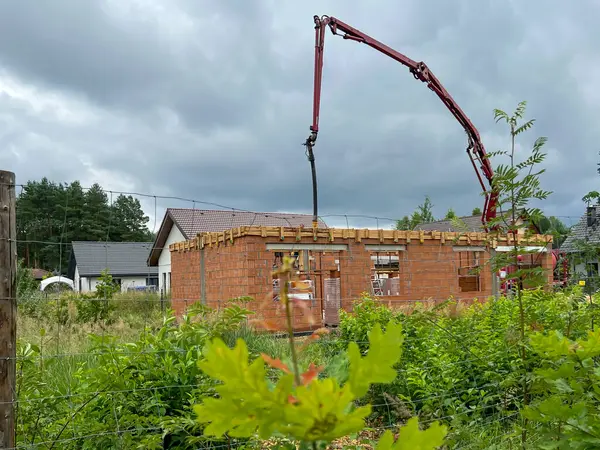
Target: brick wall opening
469	271
385	273
317	272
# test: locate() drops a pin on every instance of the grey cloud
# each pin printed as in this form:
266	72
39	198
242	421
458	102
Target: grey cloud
77	46
211	74
212	100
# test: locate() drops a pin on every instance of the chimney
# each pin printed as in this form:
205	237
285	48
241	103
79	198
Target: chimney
591	216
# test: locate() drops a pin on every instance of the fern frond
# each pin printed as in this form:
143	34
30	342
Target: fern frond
499	114
526	126
539	143
520	111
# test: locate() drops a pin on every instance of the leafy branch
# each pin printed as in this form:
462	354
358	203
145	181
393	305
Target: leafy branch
302	406
517	184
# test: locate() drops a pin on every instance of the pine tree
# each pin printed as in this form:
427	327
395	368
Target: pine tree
450	214
96	214
128	221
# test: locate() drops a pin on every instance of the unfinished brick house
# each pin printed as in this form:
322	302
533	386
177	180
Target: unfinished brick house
397	267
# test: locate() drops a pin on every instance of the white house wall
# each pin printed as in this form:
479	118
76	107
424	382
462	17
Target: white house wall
89	284
81	284
132	282
581	270
164	259
86	284
76	279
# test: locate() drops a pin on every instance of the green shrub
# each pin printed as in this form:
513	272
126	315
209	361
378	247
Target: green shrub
567	402
106	288
294	402
463	369
366	313
144	389
26	284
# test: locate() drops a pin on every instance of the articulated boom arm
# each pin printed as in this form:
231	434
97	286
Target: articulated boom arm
420	71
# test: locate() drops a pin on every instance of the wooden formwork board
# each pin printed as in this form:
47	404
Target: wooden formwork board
226	237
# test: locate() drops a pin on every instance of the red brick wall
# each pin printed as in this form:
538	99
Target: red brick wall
428	271
185	279
226	273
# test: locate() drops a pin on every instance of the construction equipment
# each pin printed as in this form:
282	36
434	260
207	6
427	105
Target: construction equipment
420	71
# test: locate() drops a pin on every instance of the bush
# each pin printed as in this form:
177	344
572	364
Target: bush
461	368
26	284
355	326
145	388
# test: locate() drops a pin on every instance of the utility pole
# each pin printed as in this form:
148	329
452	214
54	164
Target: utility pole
8	308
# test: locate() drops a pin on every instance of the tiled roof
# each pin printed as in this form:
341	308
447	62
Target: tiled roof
581	232
120	258
38	274
466	224
194	221
471	223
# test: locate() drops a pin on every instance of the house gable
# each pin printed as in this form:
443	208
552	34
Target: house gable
587	230
161	238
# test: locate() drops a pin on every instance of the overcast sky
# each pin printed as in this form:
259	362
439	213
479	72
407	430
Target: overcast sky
211	100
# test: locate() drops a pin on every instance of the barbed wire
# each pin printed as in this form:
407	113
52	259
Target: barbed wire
279	215
64	346
213	446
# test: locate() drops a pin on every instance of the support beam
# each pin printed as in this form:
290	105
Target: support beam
8	308
301	246
385	248
202	278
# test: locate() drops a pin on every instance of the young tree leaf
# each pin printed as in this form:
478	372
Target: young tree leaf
312	372
377	366
275	363
412	438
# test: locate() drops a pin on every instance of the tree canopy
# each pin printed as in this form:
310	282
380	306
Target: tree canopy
547	224
554	226
50	216
423	214
450	214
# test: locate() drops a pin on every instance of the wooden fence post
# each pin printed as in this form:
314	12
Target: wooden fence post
8	308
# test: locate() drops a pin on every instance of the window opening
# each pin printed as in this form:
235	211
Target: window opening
469	279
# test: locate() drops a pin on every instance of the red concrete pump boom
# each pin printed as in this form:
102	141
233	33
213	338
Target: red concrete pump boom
420	71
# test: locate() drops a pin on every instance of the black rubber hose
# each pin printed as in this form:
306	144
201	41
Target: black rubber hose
313	169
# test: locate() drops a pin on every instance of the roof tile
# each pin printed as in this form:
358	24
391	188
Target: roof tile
120	258
581	232
194	221
471	223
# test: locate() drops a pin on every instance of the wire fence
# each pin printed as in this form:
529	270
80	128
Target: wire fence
100	364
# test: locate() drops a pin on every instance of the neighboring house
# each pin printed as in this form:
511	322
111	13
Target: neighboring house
181	224
461	224
582	244
125	261
467	223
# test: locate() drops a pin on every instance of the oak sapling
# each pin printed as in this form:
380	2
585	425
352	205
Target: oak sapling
300	405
